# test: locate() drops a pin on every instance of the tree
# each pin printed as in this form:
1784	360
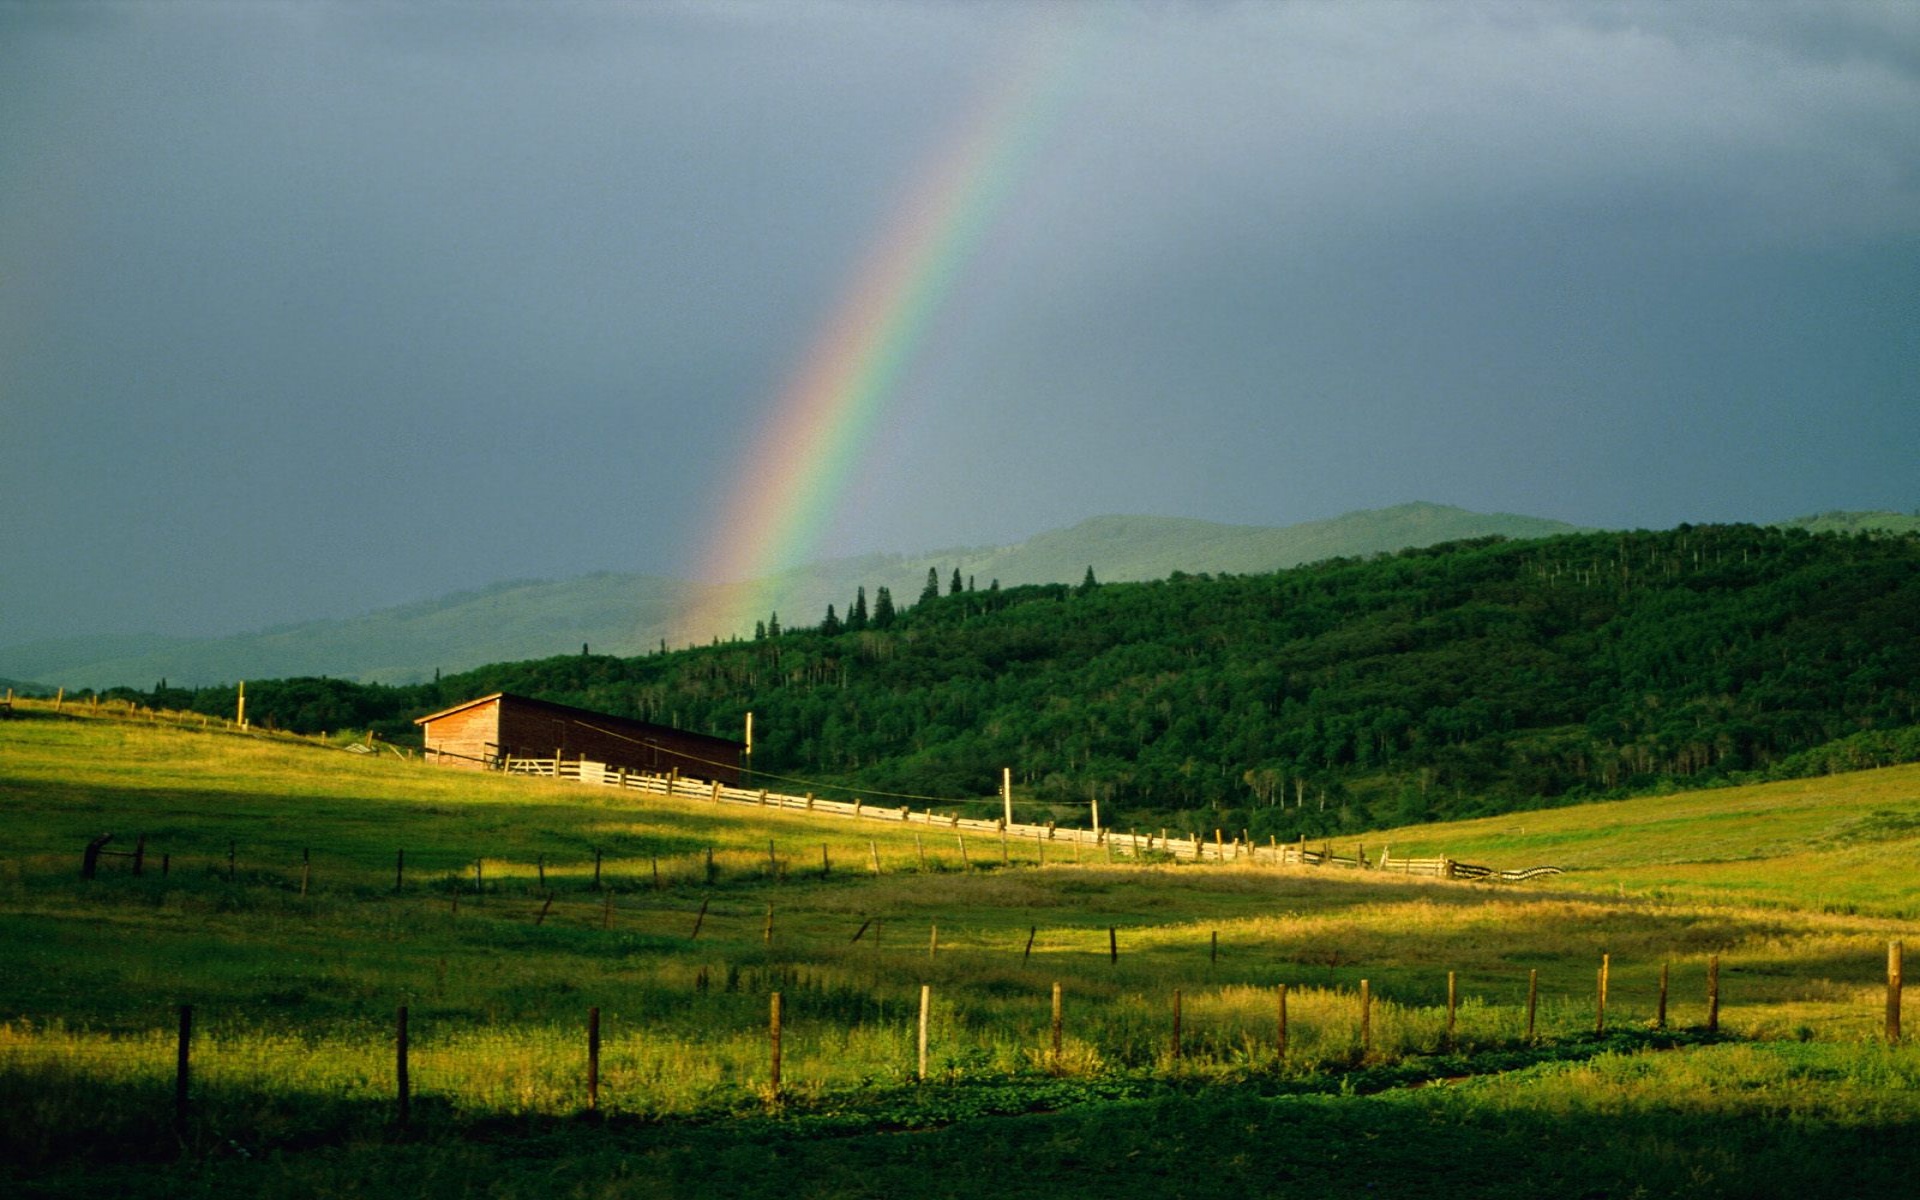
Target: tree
830	626
857	615
1089	583
932	590
953	589
759	631
883	608
773	626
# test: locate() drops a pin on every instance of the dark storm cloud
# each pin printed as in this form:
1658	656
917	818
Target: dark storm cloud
307	308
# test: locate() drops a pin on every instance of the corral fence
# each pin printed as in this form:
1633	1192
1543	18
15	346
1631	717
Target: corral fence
1108	842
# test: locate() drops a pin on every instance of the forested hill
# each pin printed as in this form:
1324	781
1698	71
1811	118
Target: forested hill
1467	678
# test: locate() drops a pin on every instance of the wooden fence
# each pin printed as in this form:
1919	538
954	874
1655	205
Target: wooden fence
1273	1043
1192	848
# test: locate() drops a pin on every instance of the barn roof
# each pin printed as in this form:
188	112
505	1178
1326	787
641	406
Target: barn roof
577	714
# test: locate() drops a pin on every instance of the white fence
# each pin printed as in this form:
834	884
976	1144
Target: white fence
1192	847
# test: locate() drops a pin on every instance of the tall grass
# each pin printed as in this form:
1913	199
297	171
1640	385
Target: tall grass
295	990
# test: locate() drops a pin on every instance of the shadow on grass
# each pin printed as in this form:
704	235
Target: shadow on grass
1371	1130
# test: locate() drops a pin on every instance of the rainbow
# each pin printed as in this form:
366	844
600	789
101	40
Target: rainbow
797	471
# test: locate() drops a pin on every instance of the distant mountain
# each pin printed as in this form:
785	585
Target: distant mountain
395	645
631	614
1855	522
1122	549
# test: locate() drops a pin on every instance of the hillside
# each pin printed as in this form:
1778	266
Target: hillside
585	980
630	614
1450	681
1856	522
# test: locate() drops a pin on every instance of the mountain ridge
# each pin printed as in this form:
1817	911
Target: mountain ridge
630	614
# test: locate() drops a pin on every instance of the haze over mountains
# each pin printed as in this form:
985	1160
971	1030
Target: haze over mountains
631	614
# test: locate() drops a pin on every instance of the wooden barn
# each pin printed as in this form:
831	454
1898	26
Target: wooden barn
483	733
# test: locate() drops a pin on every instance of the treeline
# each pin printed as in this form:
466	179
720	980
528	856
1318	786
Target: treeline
1456	680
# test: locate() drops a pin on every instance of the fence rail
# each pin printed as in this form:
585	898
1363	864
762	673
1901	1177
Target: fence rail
1193	848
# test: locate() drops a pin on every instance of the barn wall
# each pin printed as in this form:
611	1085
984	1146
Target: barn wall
472	734
535	732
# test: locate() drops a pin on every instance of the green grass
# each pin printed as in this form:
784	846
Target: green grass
1844	843
295	994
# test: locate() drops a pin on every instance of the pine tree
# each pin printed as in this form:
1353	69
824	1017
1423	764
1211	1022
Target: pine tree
1089	583
773	626
857	615
883	608
932	590
759	631
953	589
830	627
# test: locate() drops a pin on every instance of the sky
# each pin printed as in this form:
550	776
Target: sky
311	308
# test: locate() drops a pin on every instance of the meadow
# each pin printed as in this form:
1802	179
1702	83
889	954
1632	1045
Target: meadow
278	918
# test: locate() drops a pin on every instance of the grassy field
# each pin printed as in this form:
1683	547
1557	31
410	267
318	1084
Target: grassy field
296	951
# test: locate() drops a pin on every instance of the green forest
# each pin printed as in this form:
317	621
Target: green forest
1456	680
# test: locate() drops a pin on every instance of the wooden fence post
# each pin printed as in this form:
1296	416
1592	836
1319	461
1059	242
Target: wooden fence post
766	935
1533	999
1713	993
180	1070
1032	932
1213	952
1280	1028
826	864
926	1003
773	1037
709	866
933	939
90	857
1113	945
1660	1013
1366	1018
700	919
873	851
1056	1027
966	864
1176	1028
1600	1003
1452	999
399	869
402	1084
1894	983
593	1059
